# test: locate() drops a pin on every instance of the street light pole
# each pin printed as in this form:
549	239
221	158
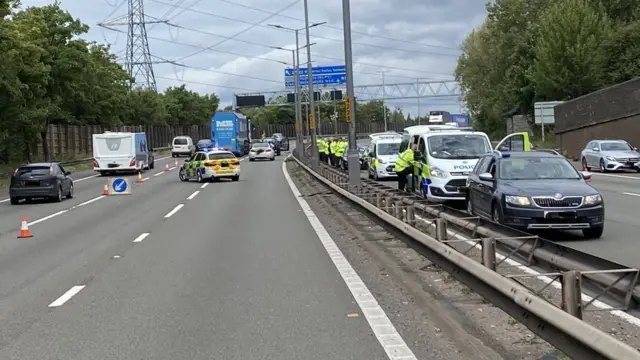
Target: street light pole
353	159
312	125
296	69
384	96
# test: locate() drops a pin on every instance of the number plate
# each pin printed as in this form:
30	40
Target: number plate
560	215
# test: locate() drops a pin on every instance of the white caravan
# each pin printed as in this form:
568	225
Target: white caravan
121	152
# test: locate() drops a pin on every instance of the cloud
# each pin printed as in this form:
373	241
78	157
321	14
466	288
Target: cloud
410	41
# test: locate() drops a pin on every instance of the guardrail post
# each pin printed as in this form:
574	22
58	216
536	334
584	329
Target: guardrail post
397	210
410	216
378	200
387	204
572	293
441	229
489	253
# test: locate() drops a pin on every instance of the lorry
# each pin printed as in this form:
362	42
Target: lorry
115	152
231	131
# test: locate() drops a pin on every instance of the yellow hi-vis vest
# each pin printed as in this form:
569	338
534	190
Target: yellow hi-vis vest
333	147
321	145
404	160
340	149
325	147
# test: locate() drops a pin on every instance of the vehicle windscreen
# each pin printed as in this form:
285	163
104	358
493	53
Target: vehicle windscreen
205	142
536	168
222	156
388	149
615	146
180	141
260	145
33	170
458	146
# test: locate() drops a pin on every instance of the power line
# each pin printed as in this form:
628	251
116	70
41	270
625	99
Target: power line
341	29
208	84
317	56
202	12
241	31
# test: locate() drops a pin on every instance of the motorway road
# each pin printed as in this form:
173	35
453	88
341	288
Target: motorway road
228	270
621	240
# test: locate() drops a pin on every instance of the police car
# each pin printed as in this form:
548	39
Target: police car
383	153
210	165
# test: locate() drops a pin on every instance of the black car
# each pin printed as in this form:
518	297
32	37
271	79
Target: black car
534	191
40	180
275	145
281	140
205	145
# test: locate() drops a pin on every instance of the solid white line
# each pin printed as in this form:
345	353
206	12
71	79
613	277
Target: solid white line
204	185
618	176
4	200
47	217
175	210
193	195
86	177
66	296
632	194
90	201
387	335
141	237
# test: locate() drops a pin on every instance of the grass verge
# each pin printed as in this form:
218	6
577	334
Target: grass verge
9	168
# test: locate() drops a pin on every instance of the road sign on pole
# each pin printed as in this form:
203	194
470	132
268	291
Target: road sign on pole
322	75
312	120
119	186
347	109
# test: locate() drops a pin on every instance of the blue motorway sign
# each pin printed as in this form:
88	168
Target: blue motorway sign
461	119
322	76
119	185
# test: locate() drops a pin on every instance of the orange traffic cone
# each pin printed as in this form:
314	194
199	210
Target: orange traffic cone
166	167
105	191
175	163
24	229
140	177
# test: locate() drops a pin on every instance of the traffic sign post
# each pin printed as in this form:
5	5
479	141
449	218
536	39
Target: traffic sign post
322	76
347	109
119	186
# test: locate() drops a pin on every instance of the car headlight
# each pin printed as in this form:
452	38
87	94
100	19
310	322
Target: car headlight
517	200
437	172
592	199
610	158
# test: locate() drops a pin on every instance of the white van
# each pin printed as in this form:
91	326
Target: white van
452	153
383	154
121	152
182	145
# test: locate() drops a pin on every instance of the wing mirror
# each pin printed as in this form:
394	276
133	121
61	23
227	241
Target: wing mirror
486	177
503	148
595	149
186	160
586	175
67	173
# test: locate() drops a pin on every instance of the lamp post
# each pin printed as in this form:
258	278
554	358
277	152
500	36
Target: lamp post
299	145
384	95
352	153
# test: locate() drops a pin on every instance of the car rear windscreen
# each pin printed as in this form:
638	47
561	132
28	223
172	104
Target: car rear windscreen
33	170
113	146
180	141
222	156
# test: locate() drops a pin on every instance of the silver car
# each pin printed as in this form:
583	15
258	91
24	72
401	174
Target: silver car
610	155
262	151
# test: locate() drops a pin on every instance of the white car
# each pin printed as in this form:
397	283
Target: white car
262	151
182	146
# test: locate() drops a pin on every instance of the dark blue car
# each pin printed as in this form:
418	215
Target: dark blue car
205	145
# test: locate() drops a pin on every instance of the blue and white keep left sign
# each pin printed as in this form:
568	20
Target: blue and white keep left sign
119	186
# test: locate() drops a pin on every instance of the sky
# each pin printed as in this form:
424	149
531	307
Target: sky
228	47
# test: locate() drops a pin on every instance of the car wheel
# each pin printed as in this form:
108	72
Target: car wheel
182	175
58	197
602	166
235	178
70	194
199	177
495	214
584	165
272	159
173	155
15	201
252	159
152	165
103	173
593	233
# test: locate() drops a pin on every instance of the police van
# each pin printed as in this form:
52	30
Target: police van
383	153
451	152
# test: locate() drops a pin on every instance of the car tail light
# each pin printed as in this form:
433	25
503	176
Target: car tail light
210	163
133	162
95	163
50	170
236	163
16	172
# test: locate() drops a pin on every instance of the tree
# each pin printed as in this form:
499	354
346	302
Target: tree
567	54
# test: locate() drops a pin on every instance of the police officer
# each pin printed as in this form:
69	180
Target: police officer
340	147
335	145
404	166
321	146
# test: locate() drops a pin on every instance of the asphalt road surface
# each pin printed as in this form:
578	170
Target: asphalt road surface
226	270
620	242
